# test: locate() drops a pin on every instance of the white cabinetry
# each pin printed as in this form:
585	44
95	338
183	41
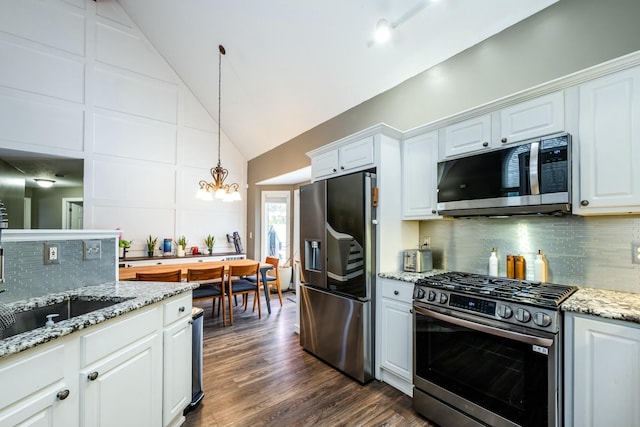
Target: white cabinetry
343	159
530	119
177	360
602	372
419	176
121	375
609	143
467	136
540	116
396	334
41	388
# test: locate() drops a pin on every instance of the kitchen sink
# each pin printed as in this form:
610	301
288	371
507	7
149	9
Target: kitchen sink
37	317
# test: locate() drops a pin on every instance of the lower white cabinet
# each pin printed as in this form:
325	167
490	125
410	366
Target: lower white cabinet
41	388
602	372
396	334
176	386
133	370
121	383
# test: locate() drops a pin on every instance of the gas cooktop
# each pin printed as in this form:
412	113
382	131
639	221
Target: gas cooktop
540	294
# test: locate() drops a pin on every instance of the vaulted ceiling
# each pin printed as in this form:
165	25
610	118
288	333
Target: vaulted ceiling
291	65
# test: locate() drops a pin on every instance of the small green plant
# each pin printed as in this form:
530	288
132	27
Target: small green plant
151	245
209	241
125	243
182	241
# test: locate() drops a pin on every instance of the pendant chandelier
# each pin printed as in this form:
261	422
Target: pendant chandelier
217	188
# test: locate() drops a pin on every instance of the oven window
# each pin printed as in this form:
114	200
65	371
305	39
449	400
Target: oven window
504	376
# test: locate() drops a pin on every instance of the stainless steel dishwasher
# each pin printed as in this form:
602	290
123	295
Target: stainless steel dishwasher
196	358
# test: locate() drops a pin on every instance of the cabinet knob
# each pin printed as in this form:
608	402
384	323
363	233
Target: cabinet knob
181	309
62	395
191	321
93	376
342	167
433	211
411	310
335	170
485	144
503	140
584	202
396	292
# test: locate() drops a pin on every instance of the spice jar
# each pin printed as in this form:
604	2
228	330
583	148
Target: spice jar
510	267
519	267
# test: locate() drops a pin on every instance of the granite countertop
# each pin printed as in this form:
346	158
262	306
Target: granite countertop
405	276
134	295
604	303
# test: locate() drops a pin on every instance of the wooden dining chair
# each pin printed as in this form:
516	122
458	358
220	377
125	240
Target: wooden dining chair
237	284
211	282
273	278
167	276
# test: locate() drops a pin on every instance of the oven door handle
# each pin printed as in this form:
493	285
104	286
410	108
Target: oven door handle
527	339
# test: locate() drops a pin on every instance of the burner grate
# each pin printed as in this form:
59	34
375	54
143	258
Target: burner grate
529	292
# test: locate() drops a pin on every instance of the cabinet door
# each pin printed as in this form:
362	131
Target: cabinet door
39	387
356	155
324	165
467	136
124	388
609	141
537	117
397	351
177	370
419	176
606	377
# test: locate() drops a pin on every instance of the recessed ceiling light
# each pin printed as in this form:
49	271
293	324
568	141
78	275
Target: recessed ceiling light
383	31
44	183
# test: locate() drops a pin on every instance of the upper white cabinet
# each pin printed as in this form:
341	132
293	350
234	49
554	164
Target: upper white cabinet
602	386
467	136
609	145
530	119
348	158
540	116
419	176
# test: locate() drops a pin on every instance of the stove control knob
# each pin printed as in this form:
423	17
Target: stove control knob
443	298
523	315
431	296
420	293
504	311
542	319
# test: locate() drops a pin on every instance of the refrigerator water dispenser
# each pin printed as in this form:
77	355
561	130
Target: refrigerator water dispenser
312	255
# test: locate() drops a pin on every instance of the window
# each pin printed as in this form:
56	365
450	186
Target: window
276	225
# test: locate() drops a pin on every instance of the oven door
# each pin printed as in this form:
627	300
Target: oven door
486	374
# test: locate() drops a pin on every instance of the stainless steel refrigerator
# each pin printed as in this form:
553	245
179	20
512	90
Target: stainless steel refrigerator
337	237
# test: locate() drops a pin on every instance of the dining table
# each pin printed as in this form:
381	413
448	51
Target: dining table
129	273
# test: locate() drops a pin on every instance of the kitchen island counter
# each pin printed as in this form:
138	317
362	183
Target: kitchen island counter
604	303
134	295
406	276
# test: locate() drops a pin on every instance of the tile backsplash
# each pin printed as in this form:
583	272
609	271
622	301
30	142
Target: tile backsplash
26	276
584	251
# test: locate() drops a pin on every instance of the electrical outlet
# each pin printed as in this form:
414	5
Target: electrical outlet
426	242
51	254
91	249
635	252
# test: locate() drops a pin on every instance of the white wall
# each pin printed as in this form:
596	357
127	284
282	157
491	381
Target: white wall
79	79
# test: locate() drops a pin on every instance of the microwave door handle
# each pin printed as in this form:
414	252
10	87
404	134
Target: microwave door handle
534	161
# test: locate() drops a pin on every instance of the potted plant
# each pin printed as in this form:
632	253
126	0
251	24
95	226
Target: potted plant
151	245
209	241
182	246
124	246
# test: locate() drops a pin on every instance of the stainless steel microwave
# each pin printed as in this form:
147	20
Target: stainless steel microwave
529	177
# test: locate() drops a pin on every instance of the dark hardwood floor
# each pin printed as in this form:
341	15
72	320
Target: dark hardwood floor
256	374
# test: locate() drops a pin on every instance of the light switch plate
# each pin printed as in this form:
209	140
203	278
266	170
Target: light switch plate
635	252
51	254
91	249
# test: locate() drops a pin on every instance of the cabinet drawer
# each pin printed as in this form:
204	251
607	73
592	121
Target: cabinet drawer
397	290
37	371
117	334
177	309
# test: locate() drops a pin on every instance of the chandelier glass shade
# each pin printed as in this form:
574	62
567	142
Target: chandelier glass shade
217	188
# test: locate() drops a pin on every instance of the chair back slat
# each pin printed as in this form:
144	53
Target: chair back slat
202	274
244	270
168	276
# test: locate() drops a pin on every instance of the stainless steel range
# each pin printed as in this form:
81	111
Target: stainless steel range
487	350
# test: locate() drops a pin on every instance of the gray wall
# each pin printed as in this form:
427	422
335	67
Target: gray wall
26	276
